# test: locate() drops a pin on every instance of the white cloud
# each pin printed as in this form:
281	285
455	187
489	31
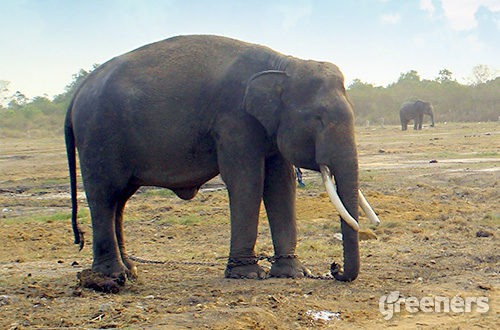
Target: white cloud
461	13
427	5
391	18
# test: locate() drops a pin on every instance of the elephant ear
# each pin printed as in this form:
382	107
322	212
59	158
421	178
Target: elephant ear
263	98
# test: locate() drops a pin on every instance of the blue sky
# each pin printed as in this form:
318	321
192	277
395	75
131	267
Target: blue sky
44	42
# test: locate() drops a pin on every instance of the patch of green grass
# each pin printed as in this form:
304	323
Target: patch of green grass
55	181
488	154
314	229
371	176
492	217
166	193
189	220
389	224
83	216
452	155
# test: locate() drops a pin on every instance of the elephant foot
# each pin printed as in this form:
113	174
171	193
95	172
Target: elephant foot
244	268
288	266
108	277
131	270
99	282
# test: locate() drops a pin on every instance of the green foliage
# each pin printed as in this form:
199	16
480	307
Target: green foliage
37	117
452	101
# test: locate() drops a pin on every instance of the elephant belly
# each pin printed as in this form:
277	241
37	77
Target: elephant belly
179	170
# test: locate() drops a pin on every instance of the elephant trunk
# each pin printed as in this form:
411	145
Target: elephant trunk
343	164
349	228
432	119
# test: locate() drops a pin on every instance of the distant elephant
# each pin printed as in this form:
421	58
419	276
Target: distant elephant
178	112
415	110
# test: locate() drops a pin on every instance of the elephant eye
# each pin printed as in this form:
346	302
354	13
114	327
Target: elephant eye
315	116
319	115
319	119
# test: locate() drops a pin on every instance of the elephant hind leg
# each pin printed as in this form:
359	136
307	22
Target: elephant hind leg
404	123
109	271
107	258
131	268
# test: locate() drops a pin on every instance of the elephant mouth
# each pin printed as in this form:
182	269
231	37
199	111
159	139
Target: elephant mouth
334	197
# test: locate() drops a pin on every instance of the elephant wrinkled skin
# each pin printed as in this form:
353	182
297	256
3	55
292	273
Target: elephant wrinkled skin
415	110
178	112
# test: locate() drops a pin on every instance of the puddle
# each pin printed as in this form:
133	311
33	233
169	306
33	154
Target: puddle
323	315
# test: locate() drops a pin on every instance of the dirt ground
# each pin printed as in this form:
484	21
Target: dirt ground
437	193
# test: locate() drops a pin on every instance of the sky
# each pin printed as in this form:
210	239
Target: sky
44	42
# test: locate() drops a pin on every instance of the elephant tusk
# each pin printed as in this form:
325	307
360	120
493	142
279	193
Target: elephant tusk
334	197
368	209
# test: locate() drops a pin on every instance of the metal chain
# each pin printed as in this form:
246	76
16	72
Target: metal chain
334	269
243	261
156	262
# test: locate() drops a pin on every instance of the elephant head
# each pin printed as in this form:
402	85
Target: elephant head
306	111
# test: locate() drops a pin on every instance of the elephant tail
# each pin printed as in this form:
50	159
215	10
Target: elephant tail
71	153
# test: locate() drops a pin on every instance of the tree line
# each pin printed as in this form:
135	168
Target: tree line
39	116
478	100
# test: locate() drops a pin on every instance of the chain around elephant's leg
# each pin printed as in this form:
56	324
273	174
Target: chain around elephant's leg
244	267
279	199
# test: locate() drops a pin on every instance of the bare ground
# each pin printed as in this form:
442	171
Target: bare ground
436	191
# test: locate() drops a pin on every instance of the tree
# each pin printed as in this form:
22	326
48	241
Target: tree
78	78
19	100
71	88
445	76
410	76
481	74
4	92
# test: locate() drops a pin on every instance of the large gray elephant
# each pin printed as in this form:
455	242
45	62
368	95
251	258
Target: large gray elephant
415	110
178	112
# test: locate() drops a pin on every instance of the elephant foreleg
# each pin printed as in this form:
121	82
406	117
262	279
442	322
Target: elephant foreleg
244	199
242	169
418	122
279	200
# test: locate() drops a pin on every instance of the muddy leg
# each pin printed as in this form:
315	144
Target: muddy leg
108	271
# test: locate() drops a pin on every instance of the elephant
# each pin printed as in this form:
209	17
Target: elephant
178	112
415	110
